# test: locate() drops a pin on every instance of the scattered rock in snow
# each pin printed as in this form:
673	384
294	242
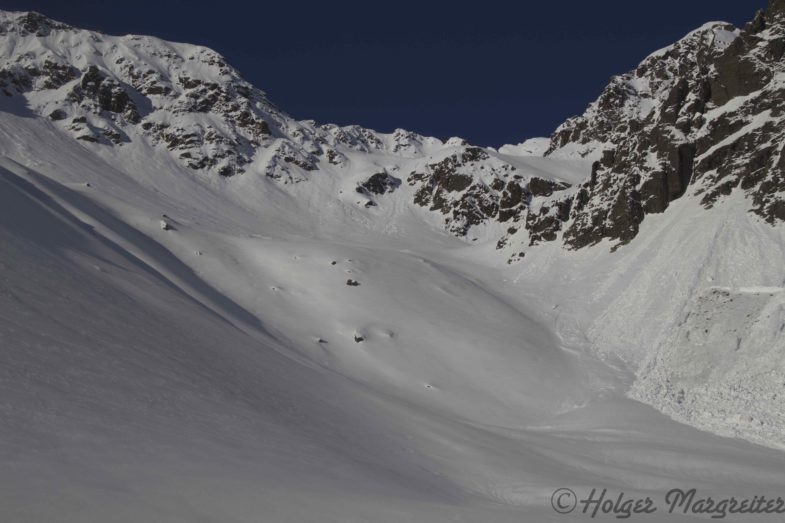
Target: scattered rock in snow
57	115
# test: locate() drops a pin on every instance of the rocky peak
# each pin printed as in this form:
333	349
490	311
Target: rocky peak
30	23
108	91
703	117
776	8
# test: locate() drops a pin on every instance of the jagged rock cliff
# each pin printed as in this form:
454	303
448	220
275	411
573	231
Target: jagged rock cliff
703	117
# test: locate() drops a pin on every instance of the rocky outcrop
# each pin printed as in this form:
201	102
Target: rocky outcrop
47	75
544	225
702	117
105	94
378	184
470	188
449	187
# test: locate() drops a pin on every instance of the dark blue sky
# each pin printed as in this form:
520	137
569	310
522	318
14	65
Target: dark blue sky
493	73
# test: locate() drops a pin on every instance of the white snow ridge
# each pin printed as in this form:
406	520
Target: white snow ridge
210	311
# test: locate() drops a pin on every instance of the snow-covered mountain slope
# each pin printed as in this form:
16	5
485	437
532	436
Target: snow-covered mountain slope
689	165
183	104
638	303
212	311
208	371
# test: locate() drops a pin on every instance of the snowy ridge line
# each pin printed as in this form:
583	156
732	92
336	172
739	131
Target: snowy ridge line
184	106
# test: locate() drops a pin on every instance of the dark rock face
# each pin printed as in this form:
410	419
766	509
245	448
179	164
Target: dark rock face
49	75
703	117
544	225
450	188
379	183
737	74
471	188
107	93
57	115
55	75
540	187
514	198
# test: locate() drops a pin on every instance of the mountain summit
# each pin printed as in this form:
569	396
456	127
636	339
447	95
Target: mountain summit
702	117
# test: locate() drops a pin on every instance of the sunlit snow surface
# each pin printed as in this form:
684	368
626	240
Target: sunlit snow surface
223	370
177	346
